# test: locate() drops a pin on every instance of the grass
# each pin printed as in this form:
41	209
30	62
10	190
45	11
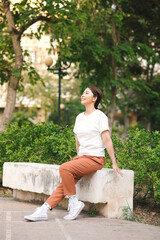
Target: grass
92	211
128	214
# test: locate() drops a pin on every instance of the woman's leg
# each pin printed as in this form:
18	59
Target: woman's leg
77	168
58	195
71	172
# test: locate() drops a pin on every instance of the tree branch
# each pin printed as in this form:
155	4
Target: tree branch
39	18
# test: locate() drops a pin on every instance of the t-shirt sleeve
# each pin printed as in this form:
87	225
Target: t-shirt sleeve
103	123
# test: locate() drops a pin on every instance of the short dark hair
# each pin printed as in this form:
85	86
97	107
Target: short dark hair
96	93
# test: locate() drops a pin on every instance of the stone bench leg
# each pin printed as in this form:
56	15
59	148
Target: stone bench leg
114	209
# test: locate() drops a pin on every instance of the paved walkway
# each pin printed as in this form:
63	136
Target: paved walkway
14	227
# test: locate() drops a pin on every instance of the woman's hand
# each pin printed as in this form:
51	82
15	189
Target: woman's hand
117	169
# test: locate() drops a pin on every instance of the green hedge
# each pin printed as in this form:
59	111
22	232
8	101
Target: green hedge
49	143
42	143
141	153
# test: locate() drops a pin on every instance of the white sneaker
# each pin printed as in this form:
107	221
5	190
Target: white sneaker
39	215
75	207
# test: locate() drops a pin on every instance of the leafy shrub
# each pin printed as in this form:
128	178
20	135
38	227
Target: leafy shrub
49	143
141	153
42	143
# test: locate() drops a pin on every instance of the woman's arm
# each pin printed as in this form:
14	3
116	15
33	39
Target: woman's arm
109	146
77	143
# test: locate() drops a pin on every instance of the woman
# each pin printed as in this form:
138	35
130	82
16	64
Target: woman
92	136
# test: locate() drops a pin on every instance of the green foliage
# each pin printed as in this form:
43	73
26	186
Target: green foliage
92	46
134	49
42	143
92	212
68	114
148	108
57	14
52	144
128	214
84	31
141	153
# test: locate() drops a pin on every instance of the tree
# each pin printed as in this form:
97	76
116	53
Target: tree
146	29
107	40
100	51
15	19
111	45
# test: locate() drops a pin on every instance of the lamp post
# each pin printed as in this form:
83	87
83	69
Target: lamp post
59	71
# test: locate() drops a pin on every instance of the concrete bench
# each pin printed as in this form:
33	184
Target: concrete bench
105	189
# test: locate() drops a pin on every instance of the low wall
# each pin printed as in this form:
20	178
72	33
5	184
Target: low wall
105	189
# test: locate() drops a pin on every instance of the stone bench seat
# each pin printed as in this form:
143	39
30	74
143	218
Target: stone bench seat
105	189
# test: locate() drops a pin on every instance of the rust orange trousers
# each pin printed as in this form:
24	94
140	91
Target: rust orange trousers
71	172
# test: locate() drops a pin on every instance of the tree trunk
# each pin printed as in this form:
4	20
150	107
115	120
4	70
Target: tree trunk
113	95
14	79
149	126
126	123
112	108
9	109
116	40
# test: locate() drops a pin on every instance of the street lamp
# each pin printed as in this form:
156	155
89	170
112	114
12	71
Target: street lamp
59	71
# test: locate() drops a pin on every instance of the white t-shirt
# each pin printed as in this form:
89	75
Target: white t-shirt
88	129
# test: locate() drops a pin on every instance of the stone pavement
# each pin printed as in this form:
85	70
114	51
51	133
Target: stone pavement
14	227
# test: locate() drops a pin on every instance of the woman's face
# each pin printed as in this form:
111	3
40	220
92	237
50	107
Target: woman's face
87	97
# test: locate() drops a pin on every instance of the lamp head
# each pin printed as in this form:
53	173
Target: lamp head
48	61
62	106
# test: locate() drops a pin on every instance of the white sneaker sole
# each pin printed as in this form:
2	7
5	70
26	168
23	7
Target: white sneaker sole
35	219
69	217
